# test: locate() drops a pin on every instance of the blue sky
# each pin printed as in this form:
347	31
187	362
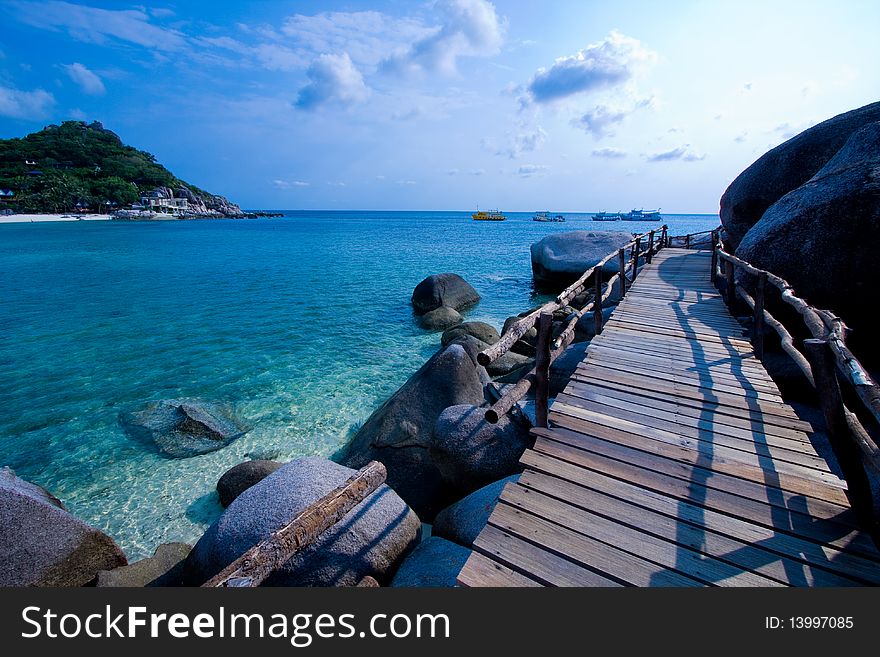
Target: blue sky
565	105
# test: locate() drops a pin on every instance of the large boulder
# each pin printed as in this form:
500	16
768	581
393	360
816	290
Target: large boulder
181	428
440	318
786	167
369	540
463	521
560	259
399	432
435	563
471	453
42	544
443	290
562	369
821	236
239	478
509	362
164	568
480	330
585	327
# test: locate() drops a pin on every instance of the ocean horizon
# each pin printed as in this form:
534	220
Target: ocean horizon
303	322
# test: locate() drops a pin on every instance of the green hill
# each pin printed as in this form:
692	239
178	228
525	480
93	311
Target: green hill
77	165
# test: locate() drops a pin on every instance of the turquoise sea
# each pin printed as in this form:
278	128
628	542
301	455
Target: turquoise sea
303	322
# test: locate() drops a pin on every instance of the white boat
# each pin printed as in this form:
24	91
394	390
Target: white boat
546	216
642	215
606	216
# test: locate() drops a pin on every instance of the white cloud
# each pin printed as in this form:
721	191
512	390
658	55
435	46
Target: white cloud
600	120
529	170
477	172
17	104
609	152
611	62
527	140
406	183
683	153
87	80
332	79
276	57
290	184
470	28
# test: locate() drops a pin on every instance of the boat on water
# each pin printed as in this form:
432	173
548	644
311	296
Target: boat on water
641	215
491	215
546	216
606	216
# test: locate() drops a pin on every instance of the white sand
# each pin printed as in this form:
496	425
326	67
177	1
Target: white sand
24	218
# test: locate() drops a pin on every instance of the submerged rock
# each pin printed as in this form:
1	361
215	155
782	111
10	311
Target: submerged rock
181	428
370	540
443	290
440	318
480	330
559	259
471	453
399	432
787	167
463	521
435	563
239	478
42	544
164	568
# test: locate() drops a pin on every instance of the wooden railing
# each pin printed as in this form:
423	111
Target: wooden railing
548	349
826	361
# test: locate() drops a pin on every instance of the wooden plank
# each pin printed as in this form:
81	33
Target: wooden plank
676	348
606	559
542	566
480	570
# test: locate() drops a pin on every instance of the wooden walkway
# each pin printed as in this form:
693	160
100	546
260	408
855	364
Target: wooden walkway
671	460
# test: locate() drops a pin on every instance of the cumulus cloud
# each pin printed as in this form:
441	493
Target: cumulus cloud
609	152
332	79
613	61
526	140
600	120
87	80
529	170
683	153
470	28
17	104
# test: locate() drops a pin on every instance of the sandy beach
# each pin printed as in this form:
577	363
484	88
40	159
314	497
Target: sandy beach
27	218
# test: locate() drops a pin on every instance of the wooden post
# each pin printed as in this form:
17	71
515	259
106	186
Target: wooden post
758	324
687	241
714	271
637	249
542	369
731	292
839	433
621	263
597	302
254	566
649	254
664	238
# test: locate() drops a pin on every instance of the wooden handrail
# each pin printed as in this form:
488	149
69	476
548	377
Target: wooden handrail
258	563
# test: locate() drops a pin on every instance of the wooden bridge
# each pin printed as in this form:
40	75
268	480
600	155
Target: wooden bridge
670	459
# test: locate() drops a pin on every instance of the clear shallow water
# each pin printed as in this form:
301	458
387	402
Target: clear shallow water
303	322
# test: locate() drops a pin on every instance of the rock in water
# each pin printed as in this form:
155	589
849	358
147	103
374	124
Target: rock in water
471	453
399	432
785	168
369	540
440	318
239	478
820	237
480	330
164	568
562	369
435	563
463	521
183	427
443	290
42	544
559	259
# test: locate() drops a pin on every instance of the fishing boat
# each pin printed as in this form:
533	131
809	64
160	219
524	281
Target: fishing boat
491	215
606	216
546	216
642	215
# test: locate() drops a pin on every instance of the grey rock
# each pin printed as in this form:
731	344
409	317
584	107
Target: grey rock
785	168
440	318
509	362
181	428
820	236
164	568
370	540
585	328
399	432
526	344
471	453
435	563
443	290
42	544
559	259
471	345
463	521
562	369
480	330
517	374
239	478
